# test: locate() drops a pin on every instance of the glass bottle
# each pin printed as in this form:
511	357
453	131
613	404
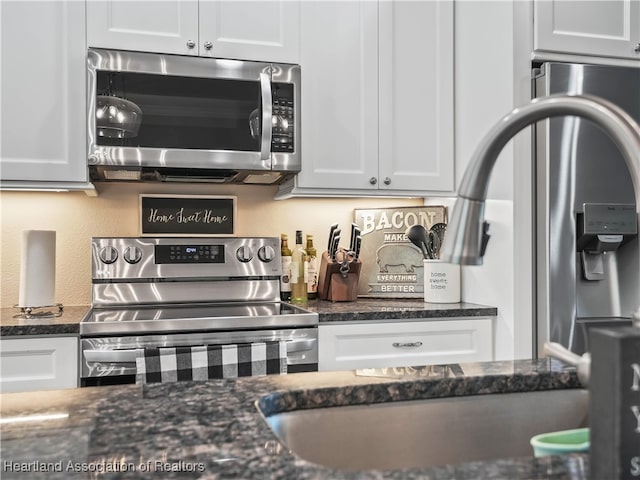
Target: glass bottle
298	271
312	271
285	283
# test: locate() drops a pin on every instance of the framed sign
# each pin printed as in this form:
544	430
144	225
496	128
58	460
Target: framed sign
392	266
187	215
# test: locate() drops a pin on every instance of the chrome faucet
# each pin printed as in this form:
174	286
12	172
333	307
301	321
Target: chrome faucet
467	232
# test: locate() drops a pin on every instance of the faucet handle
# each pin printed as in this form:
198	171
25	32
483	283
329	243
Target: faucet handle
485	238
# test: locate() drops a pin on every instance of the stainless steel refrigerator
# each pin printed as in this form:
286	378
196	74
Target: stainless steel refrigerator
586	225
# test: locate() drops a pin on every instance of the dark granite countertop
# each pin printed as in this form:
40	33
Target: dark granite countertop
66	324
368	309
213	429
363	309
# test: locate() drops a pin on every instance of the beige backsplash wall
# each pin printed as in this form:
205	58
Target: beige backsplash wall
76	218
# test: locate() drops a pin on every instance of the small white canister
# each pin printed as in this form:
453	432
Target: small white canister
441	282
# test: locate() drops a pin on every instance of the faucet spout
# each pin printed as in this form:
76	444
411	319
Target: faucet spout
466	236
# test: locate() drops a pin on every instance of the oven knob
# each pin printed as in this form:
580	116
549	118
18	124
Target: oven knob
108	254
132	255
266	253
244	254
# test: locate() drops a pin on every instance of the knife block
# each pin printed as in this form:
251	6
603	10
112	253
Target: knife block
332	285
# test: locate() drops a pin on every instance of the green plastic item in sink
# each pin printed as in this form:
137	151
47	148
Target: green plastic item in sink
565	441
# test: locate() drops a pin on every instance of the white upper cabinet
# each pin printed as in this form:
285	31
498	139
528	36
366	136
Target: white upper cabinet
42	95
167	26
605	28
339	62
416	96
377	98
259	30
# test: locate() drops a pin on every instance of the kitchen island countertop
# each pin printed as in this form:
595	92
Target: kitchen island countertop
361	310
214	430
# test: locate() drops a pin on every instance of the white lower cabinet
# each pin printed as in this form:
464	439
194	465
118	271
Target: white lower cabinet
45	363
404	343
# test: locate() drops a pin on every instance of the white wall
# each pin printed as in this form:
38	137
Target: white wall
484	93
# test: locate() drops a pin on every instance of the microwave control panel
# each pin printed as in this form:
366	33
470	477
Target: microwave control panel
283	118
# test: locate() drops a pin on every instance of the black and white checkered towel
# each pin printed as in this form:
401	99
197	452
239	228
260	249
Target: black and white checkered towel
173	364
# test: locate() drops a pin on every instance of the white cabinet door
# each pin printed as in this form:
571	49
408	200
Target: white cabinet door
43	51
404	343
250	30
609	28
377	98
46	363
164	26
416	96
339	60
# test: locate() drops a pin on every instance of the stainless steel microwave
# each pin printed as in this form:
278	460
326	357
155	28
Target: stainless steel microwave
155	117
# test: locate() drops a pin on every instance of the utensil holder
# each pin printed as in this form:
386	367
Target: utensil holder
332	285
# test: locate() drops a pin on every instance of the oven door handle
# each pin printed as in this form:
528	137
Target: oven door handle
110	356
294	346
129	355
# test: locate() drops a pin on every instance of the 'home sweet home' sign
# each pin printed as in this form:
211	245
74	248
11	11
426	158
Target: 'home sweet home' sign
187	215
614	412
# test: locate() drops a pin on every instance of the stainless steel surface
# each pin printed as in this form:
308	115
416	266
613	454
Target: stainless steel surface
267	125
158	292
577	164
115	356
175	164
148	268
430	432
581	362
465	238
184	318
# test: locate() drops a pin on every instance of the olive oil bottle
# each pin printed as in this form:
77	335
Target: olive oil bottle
312	271
299	272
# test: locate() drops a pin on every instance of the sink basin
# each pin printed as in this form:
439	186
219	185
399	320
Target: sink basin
422	433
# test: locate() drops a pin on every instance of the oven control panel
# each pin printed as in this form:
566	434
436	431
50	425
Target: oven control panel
159	258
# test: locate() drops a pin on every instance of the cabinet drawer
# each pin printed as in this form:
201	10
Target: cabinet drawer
397	344
28	364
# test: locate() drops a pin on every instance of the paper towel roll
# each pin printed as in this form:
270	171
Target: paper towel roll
37	268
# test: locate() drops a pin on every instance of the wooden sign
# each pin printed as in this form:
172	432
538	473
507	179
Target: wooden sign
187	215
392	266
614	403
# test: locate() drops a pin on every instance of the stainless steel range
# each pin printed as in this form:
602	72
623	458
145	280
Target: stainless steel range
169	292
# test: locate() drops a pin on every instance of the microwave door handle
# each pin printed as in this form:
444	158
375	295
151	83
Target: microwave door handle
267	102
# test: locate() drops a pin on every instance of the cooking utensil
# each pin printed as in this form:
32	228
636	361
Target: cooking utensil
439	229
420	238
433	245
582	363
